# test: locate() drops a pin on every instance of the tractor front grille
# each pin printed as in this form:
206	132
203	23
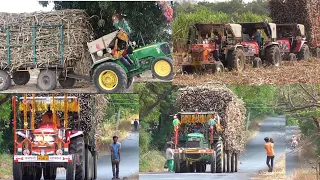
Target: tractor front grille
165	48
193	144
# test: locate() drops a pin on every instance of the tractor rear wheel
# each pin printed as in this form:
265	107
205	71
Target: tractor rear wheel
213	162
236	60
304	53
188	69
5	80
47	80
66	82
257	63
273	55
71	169
50	173
77	148
17	171
21	77
162	69
177	164
219	152
218	68
109	77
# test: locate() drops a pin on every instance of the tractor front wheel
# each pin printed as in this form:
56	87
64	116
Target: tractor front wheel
77	148
5	80
236	60
17	171
218	67
162	69
257	63
304	53
47	80
273	55
220	153
21	77
109	77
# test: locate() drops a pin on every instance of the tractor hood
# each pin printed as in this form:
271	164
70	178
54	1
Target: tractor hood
153	50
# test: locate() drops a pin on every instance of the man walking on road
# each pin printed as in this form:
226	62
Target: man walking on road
115	148
268	146
136	123
169	157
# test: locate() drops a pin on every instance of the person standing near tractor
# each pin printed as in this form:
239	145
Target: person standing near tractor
268	146
170	157
115	148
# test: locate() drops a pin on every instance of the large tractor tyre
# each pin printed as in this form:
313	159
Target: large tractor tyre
232	162
228	163
304	53
17	171
236	60
89	163
162	69
50	173
177	164
34	173
66	82
71	169
203	167
188	69
47	80
219	156
5	80
129	83
183	167
273	55
236	164
77	148
109	77
213	161
218	67
257	62
191	167
21	77
318	52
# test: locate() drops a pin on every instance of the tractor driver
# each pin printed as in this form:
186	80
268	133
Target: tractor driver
217	40
257	36
47	118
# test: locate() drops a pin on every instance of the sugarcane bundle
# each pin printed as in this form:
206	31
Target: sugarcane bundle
304	12
222	100
76	33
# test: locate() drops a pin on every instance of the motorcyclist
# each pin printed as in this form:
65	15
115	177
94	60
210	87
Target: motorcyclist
294	141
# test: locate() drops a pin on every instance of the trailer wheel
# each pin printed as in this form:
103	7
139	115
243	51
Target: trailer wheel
21	77
236	164
228	164
257	63
273	55
47	80
5	80
219	150
213	162
71	169
89	165
66	82
109	77
218	68
232	162
236	59
162	69
77	148
17	171
304	53
188	69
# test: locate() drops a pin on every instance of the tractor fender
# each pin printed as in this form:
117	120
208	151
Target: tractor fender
98	63
79	133
299	46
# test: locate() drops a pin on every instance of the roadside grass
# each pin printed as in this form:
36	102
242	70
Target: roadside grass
151	161
279	171
253	129
303	174
5	166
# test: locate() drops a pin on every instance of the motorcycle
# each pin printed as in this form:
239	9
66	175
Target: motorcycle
294	144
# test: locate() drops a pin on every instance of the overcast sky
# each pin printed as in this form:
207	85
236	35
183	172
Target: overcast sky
20	6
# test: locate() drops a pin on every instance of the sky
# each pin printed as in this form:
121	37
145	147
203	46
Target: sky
20	6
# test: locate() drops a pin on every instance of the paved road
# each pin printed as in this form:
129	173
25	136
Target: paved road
252	160
79	87
129	165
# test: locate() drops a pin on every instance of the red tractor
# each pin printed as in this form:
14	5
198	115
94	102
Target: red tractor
292	41
259	49
213	47
43	143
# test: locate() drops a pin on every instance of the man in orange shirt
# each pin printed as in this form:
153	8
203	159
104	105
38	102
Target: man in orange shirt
268	146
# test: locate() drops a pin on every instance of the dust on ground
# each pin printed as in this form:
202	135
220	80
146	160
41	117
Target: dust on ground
290	72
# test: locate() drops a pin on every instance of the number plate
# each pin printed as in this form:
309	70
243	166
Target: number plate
43	158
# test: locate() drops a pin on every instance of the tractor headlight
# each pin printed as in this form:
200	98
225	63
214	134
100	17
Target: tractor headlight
48	138
100	53
38	138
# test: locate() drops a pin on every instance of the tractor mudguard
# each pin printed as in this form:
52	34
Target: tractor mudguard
97	63
299	46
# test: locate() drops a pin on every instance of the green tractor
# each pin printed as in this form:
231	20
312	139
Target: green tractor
194	150
111	75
